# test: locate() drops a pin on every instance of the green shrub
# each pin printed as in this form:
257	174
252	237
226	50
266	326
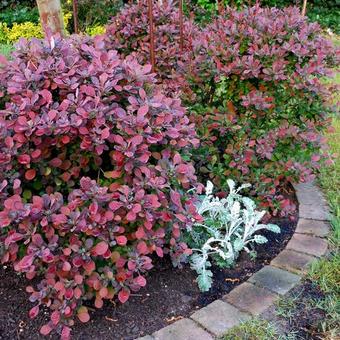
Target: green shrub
19	15
92	13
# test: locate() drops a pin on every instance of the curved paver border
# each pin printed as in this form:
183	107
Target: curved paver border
264	287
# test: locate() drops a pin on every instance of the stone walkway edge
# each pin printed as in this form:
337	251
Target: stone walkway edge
264	287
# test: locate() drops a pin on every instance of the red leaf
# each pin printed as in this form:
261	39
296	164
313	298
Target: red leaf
136	140
103	292
25	262
24	159
65	333
45	330
33	312
142	248
13	238
83	314
159	252
143	110
66	266
55	317
140	281
100	248
140	233
121	240
123	295
115	205
131	216
30	174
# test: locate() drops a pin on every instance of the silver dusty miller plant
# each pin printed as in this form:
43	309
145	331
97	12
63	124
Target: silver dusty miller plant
230	225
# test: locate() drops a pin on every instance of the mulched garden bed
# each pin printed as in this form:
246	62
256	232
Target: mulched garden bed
170	294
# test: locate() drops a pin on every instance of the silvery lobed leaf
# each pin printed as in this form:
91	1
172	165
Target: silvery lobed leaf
209	188
273	227
204	280
260	239
238	244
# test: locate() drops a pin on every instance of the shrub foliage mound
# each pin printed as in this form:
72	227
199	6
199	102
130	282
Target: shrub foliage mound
92	174
260	105
129	34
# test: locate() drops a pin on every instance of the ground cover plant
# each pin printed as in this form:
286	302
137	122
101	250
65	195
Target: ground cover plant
93	176
258	101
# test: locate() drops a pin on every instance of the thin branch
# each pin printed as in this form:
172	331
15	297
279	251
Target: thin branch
181	30
152	38
75	16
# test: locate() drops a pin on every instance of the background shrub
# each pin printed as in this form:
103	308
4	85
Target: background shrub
325	12
93	177
19	15
129	33
14	3
92	13
25	30
259	104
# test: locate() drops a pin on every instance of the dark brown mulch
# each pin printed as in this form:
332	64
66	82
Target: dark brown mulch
169	295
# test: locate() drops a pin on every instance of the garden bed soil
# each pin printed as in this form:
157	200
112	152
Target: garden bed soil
171	294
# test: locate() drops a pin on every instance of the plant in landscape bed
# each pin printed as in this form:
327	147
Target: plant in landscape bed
93	174
129	33
258	103
230	226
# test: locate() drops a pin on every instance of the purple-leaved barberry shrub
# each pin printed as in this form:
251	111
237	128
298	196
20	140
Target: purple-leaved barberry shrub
92	174
128	33
260	102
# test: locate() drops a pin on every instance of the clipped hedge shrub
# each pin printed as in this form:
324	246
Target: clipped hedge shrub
93	177
259	104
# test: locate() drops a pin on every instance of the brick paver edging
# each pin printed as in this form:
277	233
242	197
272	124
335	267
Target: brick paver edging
264	287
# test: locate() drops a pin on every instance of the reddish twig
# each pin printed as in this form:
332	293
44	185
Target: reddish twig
219	6
75	16
181	30
152	38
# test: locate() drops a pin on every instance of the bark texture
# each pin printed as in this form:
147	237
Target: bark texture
51	16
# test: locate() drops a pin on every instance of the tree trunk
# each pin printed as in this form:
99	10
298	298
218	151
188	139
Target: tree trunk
304	7
51	16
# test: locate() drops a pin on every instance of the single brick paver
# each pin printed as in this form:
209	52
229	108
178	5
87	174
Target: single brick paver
251	298
293	261
314	212
316	228
219	316
184	329
308	244
275	279
312	203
